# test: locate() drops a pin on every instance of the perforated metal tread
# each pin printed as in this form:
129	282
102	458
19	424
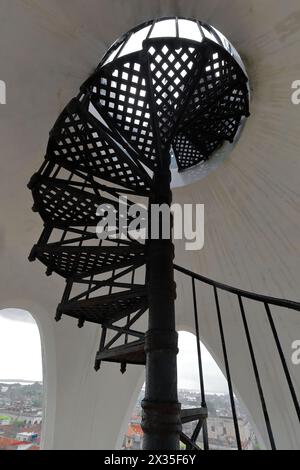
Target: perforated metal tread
61	203
64	205
105	309
81	261
130	353
81	140
190	150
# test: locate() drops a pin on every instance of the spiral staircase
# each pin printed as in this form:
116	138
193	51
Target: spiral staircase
171	94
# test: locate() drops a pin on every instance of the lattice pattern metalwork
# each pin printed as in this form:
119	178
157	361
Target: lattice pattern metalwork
182	92
122	96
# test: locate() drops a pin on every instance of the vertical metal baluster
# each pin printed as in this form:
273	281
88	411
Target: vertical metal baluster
101	347
257	378
128	317
123	45
123	364
43	240
232	402
102	337
65	297
177	27
150	30
216	36
200	29
112	276
283	361
203	401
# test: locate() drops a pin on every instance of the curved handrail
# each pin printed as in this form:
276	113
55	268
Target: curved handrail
242	293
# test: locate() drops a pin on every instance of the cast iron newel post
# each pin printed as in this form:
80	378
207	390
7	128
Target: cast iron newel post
161	411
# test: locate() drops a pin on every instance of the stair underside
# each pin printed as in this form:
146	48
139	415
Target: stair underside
130	353
193	414
188	416
82	261
106	308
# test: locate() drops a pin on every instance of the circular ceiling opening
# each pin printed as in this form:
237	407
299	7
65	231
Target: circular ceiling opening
218	103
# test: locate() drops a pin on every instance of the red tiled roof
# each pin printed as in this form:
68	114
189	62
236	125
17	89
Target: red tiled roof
7	442
134	429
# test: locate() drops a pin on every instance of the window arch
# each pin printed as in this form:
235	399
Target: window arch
21	380
219	424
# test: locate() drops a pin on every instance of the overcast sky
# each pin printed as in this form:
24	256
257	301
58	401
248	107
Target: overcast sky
20	346
20	354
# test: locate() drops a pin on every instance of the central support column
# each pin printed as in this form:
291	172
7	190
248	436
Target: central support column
161	411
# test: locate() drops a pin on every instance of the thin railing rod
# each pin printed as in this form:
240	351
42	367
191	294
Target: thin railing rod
129	316
257	378
101	346
196	432
123	364
177	27
151	29
232	401
283	361
203	401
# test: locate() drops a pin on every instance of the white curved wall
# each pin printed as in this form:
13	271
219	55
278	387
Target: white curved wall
251	201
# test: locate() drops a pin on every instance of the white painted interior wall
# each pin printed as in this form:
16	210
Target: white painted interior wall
47	49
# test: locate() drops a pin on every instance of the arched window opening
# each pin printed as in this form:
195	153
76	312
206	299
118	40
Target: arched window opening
21	381
219	423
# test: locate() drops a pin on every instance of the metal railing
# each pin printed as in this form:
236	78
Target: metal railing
267	302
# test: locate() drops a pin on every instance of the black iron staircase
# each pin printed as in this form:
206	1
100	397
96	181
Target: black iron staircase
110	142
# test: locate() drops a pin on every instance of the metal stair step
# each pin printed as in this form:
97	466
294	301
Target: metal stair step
81	261
105	308
130	353
61	204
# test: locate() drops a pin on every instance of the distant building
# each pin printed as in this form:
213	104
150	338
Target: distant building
5	421
221	433
27	436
